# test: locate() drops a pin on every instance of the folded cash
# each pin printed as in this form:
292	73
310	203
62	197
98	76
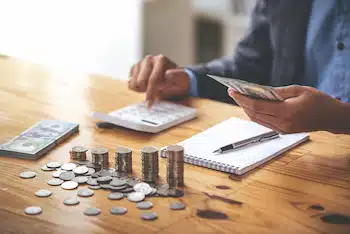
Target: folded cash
249	89
38	139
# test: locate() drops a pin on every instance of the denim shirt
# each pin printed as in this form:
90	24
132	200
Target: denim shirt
327	48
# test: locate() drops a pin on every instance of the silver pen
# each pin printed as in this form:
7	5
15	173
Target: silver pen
260	138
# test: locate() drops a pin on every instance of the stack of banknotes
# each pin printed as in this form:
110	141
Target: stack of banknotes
38	139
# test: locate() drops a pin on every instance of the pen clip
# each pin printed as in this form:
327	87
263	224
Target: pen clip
265	138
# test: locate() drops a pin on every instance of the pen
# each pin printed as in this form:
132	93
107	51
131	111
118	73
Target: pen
260	138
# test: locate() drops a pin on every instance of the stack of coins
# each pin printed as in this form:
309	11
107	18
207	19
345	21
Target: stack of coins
78	153
123	160
100	157
149	164
175	165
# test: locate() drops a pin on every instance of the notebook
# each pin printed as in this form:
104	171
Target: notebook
199	148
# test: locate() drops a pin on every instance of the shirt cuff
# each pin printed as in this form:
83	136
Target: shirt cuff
193	90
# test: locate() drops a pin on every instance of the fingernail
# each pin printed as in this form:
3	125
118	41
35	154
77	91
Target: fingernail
230	91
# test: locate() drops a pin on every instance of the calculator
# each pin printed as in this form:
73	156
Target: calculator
162	115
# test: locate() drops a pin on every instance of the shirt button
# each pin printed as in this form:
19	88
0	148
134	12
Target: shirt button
340	46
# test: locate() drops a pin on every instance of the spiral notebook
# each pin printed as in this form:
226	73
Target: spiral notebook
199	148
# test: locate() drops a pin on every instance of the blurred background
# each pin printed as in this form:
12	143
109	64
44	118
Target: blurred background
108	36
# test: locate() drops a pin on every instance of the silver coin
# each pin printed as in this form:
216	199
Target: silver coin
90	172
143	188
149	216
71	201
132	182
154	191
115	174
177	206
92	181
127	190
95	175
94	187
68	166
68	175
83	162
55	182
79	149
117	182
175	192
80	170
136	197
80	179
92	165
56	174
104	173
85	193
45	168
27	174
43	193
111	170
54	164
117	210
33	210
104	179
117	188
145	205
105	186
68	185
115	196
92	211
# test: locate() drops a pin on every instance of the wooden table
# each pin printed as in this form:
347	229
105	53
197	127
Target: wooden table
276	197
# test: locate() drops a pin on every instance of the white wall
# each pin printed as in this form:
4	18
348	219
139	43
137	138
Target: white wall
95	36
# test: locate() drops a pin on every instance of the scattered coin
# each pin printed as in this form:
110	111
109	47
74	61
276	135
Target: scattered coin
54	164
177	206
115	174
71	201
117	210
127	190
92	211
136	197
104	179
80	170
45	168
85	193
68	185
95	166
27	174
145	205
68	175
115	196
80	179
117	188
92	181
68	166
43	193
105	186
94	187
154	191
33	210
132	182
104	173
117	182
57	173
55	182
90	172
143	188
95	175
149	216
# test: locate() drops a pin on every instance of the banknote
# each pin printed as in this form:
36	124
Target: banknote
249	89
38	139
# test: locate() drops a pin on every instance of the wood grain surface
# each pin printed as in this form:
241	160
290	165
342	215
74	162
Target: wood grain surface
276	198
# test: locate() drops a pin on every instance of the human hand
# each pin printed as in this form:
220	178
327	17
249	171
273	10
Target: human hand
159	77
305	109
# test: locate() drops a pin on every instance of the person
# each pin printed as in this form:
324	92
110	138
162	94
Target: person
302	47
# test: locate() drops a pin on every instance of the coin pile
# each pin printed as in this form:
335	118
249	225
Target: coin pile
123	160
175	165
149	164
78	153
100	157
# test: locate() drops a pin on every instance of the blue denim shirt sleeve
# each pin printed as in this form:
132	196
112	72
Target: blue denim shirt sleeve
193	90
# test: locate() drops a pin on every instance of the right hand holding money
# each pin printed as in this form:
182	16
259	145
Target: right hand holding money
159	77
